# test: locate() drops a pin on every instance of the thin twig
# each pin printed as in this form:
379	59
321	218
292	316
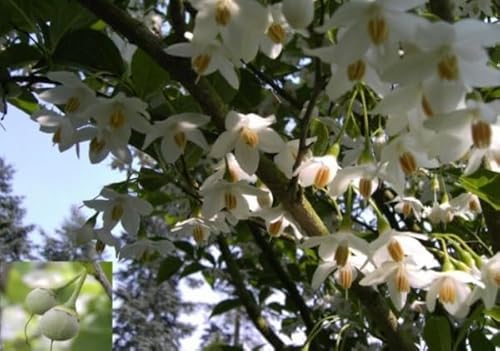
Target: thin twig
99	275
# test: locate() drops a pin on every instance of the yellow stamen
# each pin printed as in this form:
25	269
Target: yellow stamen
447	291
322	177
448	68
96	145
117	119
222	12
365	187
342	254
407	209
275	227
345	276
72	104
481	134
401	279
201	62
396	251
408	163
276	33
56	139
426	107
378	30
356	70
117	212
249	136
230	201
180	139
198	233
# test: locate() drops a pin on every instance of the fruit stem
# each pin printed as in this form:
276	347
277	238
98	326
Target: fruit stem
71	303
56	290
26	329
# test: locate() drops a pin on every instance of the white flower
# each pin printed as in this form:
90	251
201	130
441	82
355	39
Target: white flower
72	93
103	141
440	213
318	171
228	195
372	23
400	276
450	52
452	289
247	134
122	208
175	131
277	32
120	114
144	246
490	276
197	227
299	13
404	155
466	204
363	177
408	206
285	159
335	252
62	127
239	22
206	58
277	220
392	245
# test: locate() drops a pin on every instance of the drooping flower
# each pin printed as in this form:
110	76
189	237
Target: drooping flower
62	127
364	178
175	131
122	208
140	248
299	13
490	276
277	220
285	159
318	171
247	134
452	290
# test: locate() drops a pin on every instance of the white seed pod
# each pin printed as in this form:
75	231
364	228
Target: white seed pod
60	323
39	300
298	13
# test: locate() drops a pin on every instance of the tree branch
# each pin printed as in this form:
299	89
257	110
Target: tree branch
247	298
99	275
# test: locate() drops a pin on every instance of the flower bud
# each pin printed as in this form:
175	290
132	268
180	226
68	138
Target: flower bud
39	300
298	13
60	323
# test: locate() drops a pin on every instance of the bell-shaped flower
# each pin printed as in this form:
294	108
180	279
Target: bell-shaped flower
372	24
240	23
62	127
439	213
122	208
450	52
175	131
466	205
247	134
404	155
299	13
277	220
364	178
73	94
104	141
453	291
229	196
277	33
335	253
121	114
409	206
318	171
142	247
400	277
206	58
285	159
490	276
392	245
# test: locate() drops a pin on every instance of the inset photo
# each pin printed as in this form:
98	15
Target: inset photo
56	306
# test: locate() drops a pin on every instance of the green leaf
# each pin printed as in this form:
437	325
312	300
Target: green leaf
89	49
320	131
25	102
151	180
168	267
224	306
192	268
437	334
147	76
19	55
494	313
485	184
479	342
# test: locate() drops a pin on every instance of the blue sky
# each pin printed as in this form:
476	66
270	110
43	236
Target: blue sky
49	181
